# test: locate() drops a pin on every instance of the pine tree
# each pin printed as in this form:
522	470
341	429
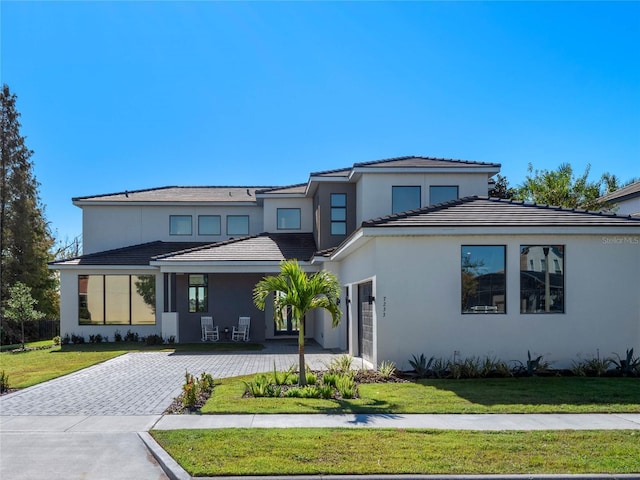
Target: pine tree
25	239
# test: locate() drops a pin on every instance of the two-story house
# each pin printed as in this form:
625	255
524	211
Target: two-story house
428	264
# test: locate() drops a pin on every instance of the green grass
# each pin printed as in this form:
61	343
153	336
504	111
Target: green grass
383	451
42	343
29	368
509	395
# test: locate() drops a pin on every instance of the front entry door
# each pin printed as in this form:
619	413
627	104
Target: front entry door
365	321
288	326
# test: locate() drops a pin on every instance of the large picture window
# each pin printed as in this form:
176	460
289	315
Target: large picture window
483	280
542	278
116	300
198	293
405	198
180	225
338	214
238	225
288	219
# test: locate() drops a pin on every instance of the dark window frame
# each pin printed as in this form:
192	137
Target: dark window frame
529	275
219	217
239	216
105	320
335	206
457	187
490	281
190	217
394	209
201	304
278	210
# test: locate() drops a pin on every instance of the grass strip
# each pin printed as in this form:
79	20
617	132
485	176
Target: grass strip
502	395
385	451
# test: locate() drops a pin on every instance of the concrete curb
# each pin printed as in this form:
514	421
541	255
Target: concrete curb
172	468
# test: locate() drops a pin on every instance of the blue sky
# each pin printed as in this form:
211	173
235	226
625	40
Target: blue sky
126	95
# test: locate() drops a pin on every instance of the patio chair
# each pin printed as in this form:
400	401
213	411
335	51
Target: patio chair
241	332
209	332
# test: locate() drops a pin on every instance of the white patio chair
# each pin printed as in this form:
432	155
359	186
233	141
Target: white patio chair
241	332
209	332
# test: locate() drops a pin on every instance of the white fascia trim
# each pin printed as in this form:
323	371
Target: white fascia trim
176	203
486	231
358	239
231	267
312	184
103	267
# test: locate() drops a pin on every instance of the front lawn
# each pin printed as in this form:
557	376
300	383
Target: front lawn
504	395
382	451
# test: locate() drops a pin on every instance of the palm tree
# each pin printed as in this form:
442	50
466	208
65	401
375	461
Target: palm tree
301	293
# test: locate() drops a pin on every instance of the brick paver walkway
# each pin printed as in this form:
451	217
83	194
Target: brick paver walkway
144	383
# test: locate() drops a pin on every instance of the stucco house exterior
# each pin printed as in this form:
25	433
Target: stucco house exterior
625	200
427	263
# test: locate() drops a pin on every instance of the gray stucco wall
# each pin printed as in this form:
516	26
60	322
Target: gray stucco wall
322	213
230	296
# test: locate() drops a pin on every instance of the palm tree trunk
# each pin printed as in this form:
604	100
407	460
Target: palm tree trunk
302	376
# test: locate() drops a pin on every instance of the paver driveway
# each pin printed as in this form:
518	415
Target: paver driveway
144	383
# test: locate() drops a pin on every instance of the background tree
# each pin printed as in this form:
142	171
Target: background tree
501	188
302	294
560	188
20	307
25	239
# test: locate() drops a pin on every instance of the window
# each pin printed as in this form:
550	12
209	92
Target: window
237	224
405	198
338	214
209	225
179	224
198	293
288	219
483	282
442	193
541	291
116	299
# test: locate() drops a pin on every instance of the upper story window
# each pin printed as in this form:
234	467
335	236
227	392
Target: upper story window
180	225
209	225
405	198
541	291
442	193
288	219
483	278
237	224
338	214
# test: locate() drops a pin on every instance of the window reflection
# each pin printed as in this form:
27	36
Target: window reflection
483	278
542	278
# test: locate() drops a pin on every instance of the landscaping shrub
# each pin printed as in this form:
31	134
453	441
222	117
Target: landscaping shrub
629	365
95	338
131	336
76	339
346	385
56	341
154	340
4	382
386	369
117	336
66	339
195	391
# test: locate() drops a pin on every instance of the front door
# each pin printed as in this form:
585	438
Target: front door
365	321
288	326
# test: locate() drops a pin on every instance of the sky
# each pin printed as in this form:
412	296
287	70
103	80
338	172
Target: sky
122	95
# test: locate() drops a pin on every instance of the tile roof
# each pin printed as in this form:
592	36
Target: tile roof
494	212
133	255
632	190
410	161
264	247
418	161
180	194
299	188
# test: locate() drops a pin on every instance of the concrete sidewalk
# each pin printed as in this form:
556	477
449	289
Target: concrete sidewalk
68	437
490	422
